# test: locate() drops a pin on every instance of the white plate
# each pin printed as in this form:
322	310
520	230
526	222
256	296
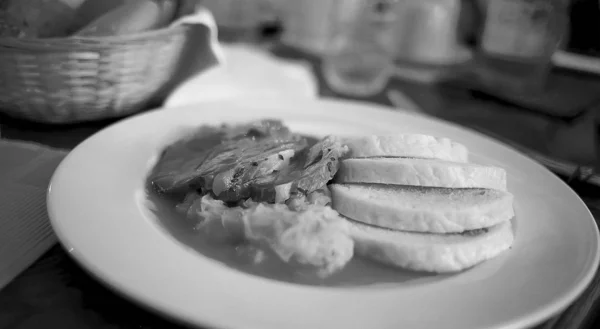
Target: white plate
96	210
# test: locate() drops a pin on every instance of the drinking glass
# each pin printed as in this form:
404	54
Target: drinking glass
360	61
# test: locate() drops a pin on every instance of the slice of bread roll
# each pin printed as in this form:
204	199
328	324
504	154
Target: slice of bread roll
440	253
406	145
421	172
422	209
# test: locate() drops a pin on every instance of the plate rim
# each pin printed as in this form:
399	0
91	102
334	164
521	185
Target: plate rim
534	318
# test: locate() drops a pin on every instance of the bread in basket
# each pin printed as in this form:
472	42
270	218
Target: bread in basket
88	77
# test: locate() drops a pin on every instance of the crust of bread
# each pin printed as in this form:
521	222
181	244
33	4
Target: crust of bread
421	172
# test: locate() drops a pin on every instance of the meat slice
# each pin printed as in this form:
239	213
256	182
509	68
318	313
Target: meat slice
229	174
308	172
178	167
231	185
261	160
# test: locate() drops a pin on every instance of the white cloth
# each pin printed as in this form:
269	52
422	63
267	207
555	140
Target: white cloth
215	71
25	231
246	71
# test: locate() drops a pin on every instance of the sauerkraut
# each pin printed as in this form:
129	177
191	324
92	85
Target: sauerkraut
305	230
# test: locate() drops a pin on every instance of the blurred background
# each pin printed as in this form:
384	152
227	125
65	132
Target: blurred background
524	71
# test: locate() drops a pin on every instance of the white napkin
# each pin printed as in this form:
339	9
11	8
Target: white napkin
192	12
25	232
246	71
214	71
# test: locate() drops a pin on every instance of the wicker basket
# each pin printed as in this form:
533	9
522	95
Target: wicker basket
67	80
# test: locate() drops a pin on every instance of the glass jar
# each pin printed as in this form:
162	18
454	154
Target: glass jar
517	42
360	60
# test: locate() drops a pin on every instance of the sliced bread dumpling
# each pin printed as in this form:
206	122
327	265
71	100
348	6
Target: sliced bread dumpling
422	209
421	172
439	253
405	145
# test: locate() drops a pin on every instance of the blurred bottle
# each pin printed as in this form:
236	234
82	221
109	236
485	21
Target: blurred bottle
432	37
360	59
310	24
516	44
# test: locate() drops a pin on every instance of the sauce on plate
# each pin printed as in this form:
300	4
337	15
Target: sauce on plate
358	272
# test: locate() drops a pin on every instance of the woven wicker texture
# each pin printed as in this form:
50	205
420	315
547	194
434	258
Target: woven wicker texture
70	80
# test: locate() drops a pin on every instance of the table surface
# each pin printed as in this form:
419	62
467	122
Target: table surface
57	291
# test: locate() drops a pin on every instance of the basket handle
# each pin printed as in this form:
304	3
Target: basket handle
202	50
